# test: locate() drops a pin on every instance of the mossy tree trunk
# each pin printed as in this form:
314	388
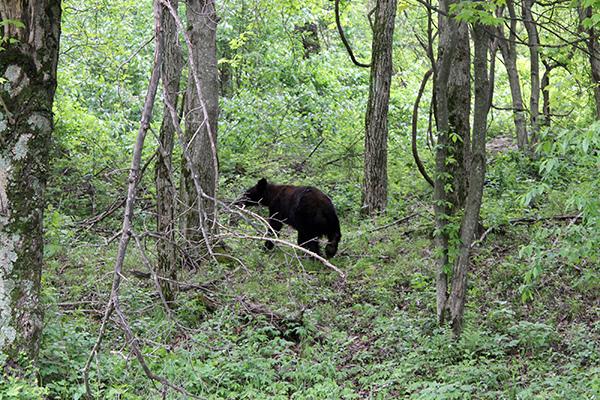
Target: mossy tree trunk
28	71
165	186
441	200
376	121
202	110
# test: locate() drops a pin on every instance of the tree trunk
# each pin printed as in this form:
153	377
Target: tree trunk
594	55
476	176
459	114
508	48
202	111
447	40
29	67
165	186
546	92
534	59
376	124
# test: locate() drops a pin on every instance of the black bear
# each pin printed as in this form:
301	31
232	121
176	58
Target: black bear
304	208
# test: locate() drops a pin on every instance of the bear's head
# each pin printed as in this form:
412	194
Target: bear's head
255	195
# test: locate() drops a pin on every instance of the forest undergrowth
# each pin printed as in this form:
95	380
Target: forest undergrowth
372	335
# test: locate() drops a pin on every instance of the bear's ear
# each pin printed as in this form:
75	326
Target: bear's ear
262	184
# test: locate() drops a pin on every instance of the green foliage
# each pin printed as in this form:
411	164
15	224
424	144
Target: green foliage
482	12
12	388
5	40
566	159
531	320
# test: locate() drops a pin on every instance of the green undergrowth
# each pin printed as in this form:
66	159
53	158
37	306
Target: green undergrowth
373	335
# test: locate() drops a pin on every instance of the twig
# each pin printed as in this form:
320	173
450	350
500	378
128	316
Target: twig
482	238
297	247
398	221
89	222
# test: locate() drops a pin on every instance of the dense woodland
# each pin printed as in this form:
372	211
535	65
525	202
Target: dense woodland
458	140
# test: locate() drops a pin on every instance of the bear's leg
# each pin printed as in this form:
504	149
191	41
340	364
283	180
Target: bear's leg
276	226
332	246
309	241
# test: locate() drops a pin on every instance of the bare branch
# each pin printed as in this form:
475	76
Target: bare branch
343	37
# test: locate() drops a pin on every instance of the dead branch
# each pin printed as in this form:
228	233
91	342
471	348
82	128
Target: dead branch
128	214
532	220
135	347
396	222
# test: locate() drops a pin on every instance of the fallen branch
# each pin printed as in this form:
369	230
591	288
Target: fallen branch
398	221
531	220
297	247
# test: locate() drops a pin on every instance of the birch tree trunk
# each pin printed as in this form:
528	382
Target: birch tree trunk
201	115
28	68
165	187
376	124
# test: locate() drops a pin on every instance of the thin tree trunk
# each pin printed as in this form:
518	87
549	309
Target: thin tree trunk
133	180
476	176
593	47
492	76
165	187
459	114
546	93
415	119
447	40
534	59
202	111
375	186
26	122
508	49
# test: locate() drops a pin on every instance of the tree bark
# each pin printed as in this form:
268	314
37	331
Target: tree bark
533	42
165	186
459	115
545	84
447	40
476	176
376	124
593	47
202	109
28	66
508	49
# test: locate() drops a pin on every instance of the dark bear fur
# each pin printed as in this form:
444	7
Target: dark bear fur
304	208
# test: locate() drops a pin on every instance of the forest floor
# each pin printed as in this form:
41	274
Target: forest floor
372	335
